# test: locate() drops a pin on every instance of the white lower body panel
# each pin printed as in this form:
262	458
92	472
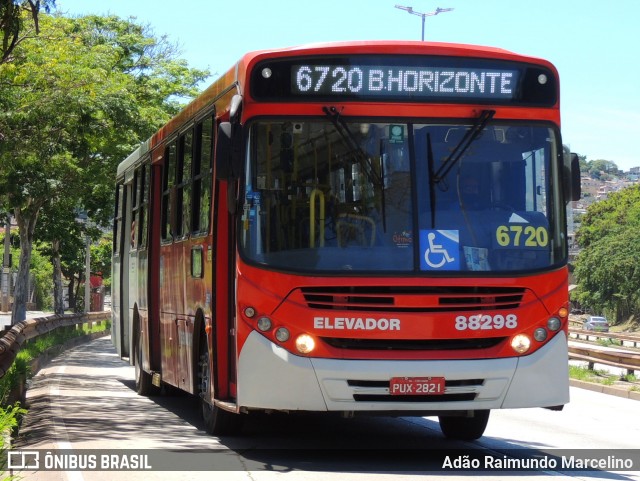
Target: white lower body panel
270	377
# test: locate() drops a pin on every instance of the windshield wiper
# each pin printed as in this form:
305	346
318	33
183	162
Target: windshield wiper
343	129
432	181
469	137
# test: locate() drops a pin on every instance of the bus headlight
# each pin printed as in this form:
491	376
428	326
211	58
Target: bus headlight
521	343
305	343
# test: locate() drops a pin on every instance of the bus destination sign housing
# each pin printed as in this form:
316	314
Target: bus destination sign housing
404	78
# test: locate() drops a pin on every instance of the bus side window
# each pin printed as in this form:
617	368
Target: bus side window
117	223
183	187
168	186
135	208
202	169
143	204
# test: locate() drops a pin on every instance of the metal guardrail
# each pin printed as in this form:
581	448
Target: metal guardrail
630	340
11	342
13	339
611	356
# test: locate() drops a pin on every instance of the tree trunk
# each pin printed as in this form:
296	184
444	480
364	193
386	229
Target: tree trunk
26	219
58	295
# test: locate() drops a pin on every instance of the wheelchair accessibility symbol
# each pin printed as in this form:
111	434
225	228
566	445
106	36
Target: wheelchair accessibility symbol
440	250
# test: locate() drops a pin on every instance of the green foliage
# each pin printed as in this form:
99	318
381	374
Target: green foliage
9	420
606	269
74	102
101	255
41	271
17	17
601	169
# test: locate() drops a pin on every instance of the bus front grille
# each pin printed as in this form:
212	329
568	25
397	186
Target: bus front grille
413	299
413	344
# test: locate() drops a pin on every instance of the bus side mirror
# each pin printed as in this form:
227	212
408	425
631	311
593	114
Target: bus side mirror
576	188
228	151
571	176
224	151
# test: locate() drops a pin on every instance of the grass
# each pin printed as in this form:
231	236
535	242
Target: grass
601	377
9	419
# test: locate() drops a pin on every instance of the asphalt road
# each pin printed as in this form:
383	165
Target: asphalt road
84	402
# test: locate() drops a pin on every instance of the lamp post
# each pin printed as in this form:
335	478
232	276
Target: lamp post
83	219
423	15
87	275
6	266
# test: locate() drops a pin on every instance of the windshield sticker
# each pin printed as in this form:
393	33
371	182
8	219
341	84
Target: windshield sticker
396	134
440	250
477	258
403	239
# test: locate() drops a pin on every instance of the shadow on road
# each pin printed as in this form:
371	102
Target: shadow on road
87	398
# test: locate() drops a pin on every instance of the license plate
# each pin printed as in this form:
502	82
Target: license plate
416	386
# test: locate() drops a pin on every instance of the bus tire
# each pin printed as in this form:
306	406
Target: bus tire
217	421
144	387
465	428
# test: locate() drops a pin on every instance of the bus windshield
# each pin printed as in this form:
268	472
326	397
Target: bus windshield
343	195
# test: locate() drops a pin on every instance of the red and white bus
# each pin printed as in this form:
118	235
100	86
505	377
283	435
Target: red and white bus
360	228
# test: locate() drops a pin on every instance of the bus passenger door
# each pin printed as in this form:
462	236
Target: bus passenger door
121	265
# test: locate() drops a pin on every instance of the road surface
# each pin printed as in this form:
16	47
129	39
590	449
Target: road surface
84	403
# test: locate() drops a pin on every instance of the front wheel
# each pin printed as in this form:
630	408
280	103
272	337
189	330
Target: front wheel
217	421
464	428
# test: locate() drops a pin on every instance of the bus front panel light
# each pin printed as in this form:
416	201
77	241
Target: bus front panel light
264	324
521	343
540	334
554	324
305	343
266	72
282	334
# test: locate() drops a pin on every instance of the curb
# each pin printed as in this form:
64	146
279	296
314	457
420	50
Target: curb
604	389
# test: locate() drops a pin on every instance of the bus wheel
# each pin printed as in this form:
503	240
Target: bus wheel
217	421
464	428
143	378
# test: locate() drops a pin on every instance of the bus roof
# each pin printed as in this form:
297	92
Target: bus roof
234	79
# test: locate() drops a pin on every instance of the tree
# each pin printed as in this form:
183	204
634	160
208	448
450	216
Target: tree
75	101
607	268
602	169
13	16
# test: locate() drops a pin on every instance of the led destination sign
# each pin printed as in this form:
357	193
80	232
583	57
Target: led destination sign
401	81
404	78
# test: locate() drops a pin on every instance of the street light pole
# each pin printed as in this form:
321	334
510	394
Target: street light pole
423	15
6	266
87	275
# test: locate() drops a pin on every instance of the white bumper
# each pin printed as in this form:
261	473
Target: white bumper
270	377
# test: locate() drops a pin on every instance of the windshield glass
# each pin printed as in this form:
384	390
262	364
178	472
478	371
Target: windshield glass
339	195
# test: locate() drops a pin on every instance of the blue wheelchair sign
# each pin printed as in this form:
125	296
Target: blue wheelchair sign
440	250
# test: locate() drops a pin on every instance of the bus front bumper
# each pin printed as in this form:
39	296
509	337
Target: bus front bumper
271	378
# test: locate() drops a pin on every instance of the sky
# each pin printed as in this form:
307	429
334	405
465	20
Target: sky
595	45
